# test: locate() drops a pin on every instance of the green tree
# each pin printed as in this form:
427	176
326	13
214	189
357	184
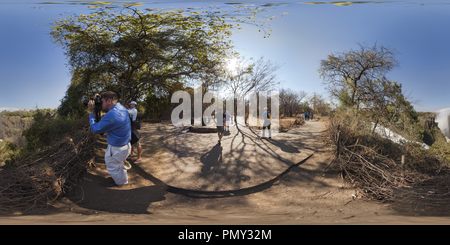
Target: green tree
385	103
71	103
158	100
319	106
354	71
137	49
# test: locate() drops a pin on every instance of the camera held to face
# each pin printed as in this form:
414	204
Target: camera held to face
97	100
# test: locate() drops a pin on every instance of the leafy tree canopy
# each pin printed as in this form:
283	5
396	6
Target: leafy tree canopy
131	50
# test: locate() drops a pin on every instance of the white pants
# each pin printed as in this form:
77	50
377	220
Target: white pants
114	158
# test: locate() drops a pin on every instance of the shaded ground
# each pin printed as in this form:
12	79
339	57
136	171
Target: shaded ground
196	161
305	194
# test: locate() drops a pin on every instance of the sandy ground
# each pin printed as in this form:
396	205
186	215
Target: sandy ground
196	161
185	179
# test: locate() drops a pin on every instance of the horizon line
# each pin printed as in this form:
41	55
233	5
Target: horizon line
10	108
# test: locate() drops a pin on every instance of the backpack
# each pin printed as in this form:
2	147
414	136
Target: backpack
135	135
136	125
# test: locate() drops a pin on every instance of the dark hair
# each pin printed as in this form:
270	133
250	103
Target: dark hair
109	95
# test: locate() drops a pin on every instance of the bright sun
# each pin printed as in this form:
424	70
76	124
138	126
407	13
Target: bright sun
231	65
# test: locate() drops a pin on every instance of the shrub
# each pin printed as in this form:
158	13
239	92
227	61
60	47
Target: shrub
9	152
49	128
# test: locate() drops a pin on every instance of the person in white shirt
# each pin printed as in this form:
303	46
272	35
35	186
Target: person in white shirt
227	124
133	113
266	124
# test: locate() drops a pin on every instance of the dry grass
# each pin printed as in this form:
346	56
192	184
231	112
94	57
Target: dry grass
287	124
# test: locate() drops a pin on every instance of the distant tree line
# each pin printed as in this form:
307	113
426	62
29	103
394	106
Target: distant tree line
27	113
294	103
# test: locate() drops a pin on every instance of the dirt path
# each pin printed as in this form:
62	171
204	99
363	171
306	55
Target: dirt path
196	161
257	181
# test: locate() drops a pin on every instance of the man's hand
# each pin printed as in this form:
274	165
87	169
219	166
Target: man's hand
91	107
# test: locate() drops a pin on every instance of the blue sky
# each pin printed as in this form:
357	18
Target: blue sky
33	71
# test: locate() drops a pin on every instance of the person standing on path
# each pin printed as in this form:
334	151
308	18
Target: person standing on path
266	123
220	128
117	126
227	125
133	113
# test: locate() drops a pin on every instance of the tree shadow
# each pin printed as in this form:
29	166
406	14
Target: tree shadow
284	146
217	194
211	159
195	161
289	148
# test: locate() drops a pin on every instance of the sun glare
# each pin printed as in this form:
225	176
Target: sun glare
231	65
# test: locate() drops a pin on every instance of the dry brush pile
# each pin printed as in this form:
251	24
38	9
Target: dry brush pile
417	185
36	180
372	164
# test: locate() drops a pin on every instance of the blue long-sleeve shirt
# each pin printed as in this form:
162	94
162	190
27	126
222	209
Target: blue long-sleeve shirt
116	124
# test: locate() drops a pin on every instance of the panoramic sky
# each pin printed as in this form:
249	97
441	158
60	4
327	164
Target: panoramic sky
33	71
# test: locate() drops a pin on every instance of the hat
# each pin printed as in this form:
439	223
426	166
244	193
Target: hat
133	103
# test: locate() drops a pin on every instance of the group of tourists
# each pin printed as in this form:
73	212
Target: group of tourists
120	126
221	129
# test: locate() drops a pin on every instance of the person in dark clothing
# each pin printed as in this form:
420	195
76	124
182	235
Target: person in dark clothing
220	128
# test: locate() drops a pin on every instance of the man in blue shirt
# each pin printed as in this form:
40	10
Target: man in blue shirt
116	124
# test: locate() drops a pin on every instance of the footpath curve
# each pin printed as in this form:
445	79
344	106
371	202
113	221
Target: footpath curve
254	166
197	162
